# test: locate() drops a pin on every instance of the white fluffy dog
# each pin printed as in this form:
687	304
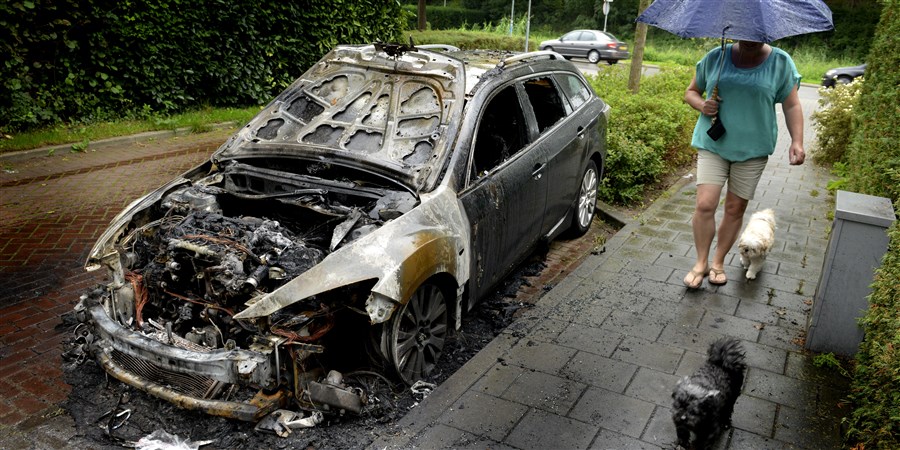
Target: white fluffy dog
756	241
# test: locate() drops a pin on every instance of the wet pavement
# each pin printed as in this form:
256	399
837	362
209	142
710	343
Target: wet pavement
592	365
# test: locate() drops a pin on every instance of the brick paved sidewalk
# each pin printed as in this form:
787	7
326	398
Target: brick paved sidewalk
52	209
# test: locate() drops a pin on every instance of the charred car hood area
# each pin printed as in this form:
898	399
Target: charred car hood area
291	241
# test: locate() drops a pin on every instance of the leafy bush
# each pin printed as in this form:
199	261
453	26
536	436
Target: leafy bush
873	163
649	134
833	121
875	421
90	60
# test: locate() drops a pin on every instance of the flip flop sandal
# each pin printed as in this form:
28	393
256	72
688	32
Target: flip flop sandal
697	276
717	273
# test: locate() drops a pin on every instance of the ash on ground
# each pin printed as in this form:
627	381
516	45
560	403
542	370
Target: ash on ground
110	414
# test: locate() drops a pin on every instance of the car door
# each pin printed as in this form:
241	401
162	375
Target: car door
504	197
561	141
569	44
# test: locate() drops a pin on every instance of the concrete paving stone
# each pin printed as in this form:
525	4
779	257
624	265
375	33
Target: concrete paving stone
443	436
497	379
730	325
635	241
672	215
617	298
793	320
652	386
783	338
549	329
542	430
542	356
760	312
792	301
593	340
640	254
712	300
634	324
612	411
754	415
765	357
689	363
608	440
546	392
780	389
660	430
654	231
755	290
659	289
745	440
599	371
807	430
645	270
650	354
690	339
672	248
682	313
486	415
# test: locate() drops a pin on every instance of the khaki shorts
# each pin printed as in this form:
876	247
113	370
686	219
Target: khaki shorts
742	176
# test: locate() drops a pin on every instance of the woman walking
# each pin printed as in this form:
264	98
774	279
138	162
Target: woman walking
751	79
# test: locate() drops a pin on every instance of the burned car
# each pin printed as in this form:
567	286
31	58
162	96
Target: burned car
357	216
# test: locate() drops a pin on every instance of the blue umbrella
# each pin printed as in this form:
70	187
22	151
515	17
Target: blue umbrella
748	20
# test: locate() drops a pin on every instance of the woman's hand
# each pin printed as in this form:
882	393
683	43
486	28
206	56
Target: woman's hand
710	106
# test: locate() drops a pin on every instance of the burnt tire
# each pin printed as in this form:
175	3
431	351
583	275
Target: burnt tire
593	56
417	332
586	204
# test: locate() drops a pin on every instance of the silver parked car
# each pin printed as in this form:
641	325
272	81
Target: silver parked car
360	214
591	44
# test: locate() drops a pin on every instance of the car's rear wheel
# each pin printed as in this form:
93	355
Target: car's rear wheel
587	200
593	56
417	332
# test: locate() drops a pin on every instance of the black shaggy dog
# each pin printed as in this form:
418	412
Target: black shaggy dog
705	400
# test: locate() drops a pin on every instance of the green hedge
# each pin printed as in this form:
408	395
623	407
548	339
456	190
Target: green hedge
649	134
873	165
84	60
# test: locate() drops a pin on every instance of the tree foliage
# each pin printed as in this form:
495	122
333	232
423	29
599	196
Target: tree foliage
83	60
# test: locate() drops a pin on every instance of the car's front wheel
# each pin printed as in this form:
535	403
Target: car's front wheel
593	56
417	332
587	200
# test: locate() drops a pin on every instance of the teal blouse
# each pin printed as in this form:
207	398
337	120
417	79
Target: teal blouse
747	108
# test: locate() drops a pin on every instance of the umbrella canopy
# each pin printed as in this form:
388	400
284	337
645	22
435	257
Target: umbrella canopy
748	20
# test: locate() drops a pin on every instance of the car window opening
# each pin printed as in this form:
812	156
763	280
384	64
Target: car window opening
502	131
545	102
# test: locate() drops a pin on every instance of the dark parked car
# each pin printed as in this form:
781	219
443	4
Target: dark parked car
591	44
842	75
355	218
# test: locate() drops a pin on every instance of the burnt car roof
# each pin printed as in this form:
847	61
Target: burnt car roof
358	106
395	114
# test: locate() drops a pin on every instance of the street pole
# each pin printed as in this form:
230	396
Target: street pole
512	17
605	13
528	25
637	57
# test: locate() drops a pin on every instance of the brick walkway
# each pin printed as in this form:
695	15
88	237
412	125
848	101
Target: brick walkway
52	210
